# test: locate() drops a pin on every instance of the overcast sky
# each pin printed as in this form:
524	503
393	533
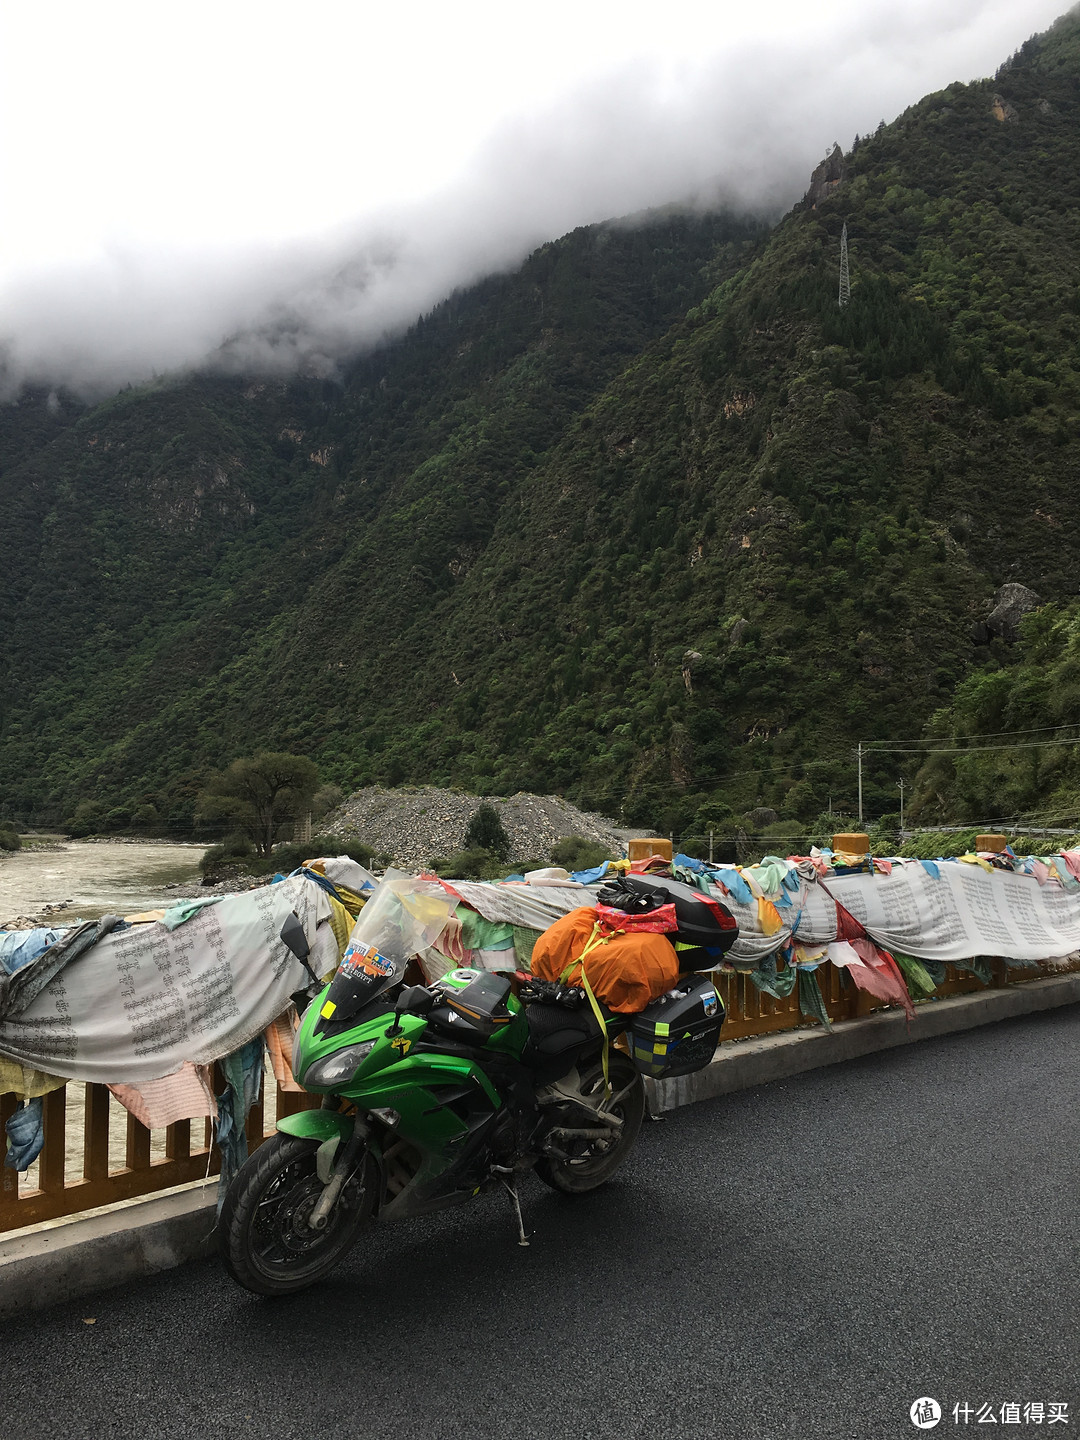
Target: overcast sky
303	179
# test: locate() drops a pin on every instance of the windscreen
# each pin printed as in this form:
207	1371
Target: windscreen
405	916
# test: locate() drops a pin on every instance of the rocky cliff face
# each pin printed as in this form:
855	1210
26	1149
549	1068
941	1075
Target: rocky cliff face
826	179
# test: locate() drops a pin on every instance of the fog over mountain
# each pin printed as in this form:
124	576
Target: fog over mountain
739	125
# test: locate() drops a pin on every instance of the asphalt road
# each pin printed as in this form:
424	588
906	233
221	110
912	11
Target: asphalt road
804	1259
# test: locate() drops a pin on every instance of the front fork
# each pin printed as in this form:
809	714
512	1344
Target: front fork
334	1161
340	1168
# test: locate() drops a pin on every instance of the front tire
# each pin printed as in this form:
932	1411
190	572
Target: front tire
263	1238
595	1167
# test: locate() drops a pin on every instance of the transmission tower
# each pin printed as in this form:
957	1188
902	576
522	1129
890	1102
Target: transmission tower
845	278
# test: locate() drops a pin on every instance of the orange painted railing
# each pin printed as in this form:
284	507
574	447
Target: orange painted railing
752	1012
116	1157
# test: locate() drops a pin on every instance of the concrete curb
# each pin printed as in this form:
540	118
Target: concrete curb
743	1063
66	1259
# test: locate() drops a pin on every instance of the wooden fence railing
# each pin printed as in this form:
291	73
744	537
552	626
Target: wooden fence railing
751	1012
111	1156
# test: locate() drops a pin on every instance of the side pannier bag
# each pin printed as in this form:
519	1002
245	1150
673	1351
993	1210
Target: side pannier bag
678	1033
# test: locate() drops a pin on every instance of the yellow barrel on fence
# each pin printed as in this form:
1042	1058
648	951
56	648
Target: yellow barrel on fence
996	843
642	849
854	844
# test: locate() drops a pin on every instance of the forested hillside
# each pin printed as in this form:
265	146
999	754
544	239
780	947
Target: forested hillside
654	521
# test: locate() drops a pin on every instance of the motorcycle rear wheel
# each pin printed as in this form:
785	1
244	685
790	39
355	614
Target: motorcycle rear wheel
596	1167
262	1236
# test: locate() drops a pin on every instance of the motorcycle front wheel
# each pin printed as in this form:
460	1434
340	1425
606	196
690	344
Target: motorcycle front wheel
596	1166
263	1235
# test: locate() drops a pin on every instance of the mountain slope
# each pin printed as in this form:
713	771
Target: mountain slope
817	503
160	546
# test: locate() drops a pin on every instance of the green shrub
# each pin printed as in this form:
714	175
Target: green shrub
234	847
325	799
574	852
88	819
284	858
9	839
474	864
287	857
885	835
930	844
146	818
214	858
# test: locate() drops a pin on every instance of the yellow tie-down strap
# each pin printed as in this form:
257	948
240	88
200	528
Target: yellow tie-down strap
594	941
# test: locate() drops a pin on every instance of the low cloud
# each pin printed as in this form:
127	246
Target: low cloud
741	130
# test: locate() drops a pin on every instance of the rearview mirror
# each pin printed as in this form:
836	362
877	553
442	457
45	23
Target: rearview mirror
416	1000
292	932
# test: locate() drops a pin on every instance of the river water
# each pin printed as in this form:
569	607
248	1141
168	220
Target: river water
96	877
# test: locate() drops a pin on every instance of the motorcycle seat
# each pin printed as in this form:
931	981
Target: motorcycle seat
554	1028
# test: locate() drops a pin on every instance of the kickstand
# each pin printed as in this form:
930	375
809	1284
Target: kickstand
510	1186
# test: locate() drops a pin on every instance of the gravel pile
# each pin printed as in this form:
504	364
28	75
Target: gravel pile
418	823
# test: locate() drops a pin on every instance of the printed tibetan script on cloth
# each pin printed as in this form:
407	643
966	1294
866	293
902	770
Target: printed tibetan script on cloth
140	1003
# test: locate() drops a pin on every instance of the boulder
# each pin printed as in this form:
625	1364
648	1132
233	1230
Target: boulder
761	816
1011	603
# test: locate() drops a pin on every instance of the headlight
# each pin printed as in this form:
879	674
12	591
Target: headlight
325	1074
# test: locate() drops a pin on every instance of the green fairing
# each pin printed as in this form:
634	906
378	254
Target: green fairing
378	1079
413	1072
317	1125
510	1039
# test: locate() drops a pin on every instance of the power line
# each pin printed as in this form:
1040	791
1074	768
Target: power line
987	735
769	772
975	749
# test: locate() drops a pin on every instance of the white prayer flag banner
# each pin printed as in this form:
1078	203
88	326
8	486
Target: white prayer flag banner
140	1002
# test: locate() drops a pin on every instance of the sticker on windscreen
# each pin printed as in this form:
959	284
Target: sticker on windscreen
364	960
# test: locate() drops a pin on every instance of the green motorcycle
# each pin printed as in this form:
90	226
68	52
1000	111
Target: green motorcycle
432	1094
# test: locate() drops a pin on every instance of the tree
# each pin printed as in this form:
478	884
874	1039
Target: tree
486	832
260	796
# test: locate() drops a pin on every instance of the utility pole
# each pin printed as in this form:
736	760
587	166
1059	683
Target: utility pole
859	753
900	783
845	278
710	846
